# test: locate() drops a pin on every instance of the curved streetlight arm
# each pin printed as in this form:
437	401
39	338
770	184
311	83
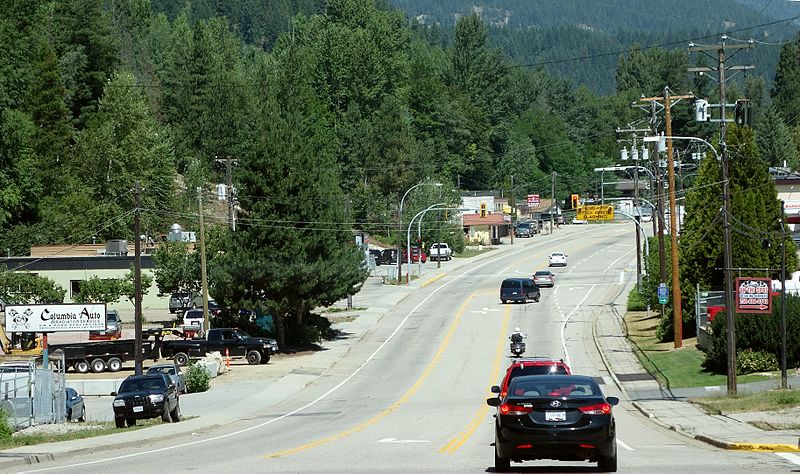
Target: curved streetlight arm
408	234
641	229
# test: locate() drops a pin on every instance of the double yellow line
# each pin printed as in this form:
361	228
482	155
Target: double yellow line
411	391
473	425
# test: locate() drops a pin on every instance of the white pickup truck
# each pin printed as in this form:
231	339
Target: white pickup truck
440	251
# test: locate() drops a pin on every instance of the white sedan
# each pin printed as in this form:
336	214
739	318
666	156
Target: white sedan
558	259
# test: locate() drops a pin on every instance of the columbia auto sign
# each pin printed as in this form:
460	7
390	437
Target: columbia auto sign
55	317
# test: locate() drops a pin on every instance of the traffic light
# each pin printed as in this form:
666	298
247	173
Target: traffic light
742	114
483	209
574	199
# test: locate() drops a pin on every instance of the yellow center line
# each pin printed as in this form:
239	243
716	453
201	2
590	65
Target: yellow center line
463	436
395	405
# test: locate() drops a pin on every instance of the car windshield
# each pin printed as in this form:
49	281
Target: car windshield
510	284
111	317
166	370
141	384
523	226
558	254
543	274
562	387
538	370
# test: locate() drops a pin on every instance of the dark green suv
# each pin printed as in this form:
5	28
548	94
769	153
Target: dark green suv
146	396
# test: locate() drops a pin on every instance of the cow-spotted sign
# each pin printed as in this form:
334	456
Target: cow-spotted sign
753	295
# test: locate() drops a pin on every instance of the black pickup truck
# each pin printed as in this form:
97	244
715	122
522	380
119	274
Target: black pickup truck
257	350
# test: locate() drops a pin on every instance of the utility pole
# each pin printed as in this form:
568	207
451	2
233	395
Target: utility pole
203	276
784	382
730	304
229	184
553	206
511	204
137	278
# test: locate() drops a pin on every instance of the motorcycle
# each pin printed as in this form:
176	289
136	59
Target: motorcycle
517	348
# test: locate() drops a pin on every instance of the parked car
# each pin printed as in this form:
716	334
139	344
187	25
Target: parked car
524	229
531	366
519	289
257	350
146	396
113	328
76	409
213	307
440	251
376	254
416	255
171	370
561	417
558	259
544	278
179	302
388	257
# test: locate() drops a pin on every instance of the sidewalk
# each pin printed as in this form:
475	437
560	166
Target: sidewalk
670	408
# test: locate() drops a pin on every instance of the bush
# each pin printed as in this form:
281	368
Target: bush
636	301
6	429
314	329
197	378
749	361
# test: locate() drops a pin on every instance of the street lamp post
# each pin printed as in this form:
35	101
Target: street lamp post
400	226
411	223
419	237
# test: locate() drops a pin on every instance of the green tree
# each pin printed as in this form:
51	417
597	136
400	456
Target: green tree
28	288
786	90
774	139
176	268
111	290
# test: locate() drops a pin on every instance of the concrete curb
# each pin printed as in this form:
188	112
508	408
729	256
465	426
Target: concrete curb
431	280
605	360
668	426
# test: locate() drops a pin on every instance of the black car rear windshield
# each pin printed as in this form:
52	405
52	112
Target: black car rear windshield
142	384
556	386
510	284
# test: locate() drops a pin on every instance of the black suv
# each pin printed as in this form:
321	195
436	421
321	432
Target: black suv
388	257
146	396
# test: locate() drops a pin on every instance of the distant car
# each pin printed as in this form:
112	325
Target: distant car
544	278
575	220
519	289
146	396
440	251
213	306
377	255
113	328
179	302
531	366
171	370
416	255
76	410
524	229
561	417
388	257
558	259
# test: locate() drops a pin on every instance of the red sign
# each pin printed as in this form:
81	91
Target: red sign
533	199
753	295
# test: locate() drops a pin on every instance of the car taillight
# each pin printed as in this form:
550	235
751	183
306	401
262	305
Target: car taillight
598	409
512	409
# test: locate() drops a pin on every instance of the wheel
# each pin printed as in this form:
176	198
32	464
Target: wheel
181	358
605	464
98	365
176	413
114	364
82	418
69	415
503	301
253	357
120	422
130	421
536	300
172	310
501	464
81	367
166	417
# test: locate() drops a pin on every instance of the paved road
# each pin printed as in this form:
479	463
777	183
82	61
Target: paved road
409	396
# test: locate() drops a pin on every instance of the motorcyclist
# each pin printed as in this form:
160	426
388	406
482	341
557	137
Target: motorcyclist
517	335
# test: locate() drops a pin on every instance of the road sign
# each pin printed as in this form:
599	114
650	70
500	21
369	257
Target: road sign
601	212
533	199
753	295
663	293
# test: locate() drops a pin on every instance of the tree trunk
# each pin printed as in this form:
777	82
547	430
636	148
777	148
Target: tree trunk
280	329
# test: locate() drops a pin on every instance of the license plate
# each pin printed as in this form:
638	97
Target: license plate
138	409
555	416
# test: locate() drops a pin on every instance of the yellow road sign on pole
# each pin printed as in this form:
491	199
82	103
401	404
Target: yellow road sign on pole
596	213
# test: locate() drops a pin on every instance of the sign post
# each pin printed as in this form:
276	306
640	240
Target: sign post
663	293
753	295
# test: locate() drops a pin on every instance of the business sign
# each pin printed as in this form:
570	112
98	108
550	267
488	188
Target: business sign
533	199
663	293
56	317
753	295
599	212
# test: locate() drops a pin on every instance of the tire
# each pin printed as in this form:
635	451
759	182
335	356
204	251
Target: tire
253	357
605	464
181	358
503	301
98	365
501	464
172	310
114	364
69	415
82	418
176	413
536	300
166	416
120	422
130	421
81	367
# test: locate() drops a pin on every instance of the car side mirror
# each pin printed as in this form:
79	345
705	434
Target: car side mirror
613	401
493	402
113	394
495	389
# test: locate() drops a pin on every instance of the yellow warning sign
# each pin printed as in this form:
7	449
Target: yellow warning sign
596	213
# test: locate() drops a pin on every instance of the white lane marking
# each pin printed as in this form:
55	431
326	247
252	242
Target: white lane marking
621	278
624	445
564	322
297	410
793	458
395	440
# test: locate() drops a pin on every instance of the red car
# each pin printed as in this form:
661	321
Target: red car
531	366
415	255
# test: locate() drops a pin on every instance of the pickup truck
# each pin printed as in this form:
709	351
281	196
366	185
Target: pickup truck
256	350
440	251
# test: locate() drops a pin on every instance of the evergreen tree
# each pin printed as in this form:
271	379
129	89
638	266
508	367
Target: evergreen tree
786	90
774	139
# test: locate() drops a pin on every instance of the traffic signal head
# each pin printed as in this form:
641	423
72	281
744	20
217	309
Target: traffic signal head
575	201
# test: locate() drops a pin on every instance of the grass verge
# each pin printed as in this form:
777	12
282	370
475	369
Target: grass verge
673	368
772	400
467	253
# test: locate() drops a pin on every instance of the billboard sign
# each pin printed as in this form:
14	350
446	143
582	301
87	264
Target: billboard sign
753	295
598	212
56	317
533	200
